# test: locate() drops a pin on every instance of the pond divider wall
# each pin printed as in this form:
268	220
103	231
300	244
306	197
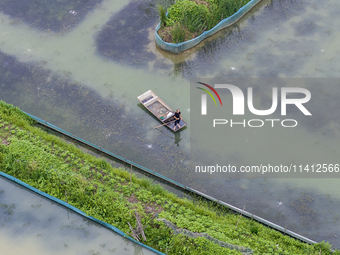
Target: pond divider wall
183	46
156	176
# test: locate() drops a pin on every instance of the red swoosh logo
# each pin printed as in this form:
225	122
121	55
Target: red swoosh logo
213	90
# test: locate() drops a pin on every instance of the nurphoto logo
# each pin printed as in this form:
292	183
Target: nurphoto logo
238	105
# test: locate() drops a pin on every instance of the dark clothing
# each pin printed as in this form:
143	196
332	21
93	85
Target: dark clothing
177	114
178	118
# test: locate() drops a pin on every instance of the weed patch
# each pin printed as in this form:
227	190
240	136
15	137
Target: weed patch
192	18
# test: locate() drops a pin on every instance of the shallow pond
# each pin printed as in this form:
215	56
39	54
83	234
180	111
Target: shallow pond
35	225
86	81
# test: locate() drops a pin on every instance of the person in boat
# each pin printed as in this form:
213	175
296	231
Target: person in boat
178	117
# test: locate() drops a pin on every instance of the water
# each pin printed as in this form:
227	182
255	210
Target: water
86	81
58	16
32	224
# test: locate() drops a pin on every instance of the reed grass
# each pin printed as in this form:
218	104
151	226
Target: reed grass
190	17
178	33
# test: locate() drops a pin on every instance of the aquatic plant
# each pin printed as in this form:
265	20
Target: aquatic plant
196	18
178	33
162	14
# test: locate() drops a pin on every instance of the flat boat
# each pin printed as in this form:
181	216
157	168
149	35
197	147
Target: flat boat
160	110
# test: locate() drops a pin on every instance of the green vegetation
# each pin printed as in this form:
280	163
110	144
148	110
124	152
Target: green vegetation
95	187
178	33
254	229
162	14
196	16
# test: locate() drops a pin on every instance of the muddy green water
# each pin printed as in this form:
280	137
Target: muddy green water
73	81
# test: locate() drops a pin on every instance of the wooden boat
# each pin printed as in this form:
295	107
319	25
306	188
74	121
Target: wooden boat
160	110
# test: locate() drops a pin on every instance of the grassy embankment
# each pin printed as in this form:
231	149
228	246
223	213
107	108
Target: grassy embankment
188	19
95	187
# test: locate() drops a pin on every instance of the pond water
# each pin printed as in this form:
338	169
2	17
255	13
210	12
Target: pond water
86	80
36	225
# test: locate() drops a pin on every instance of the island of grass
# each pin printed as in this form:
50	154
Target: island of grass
185	23
173	225
188	19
